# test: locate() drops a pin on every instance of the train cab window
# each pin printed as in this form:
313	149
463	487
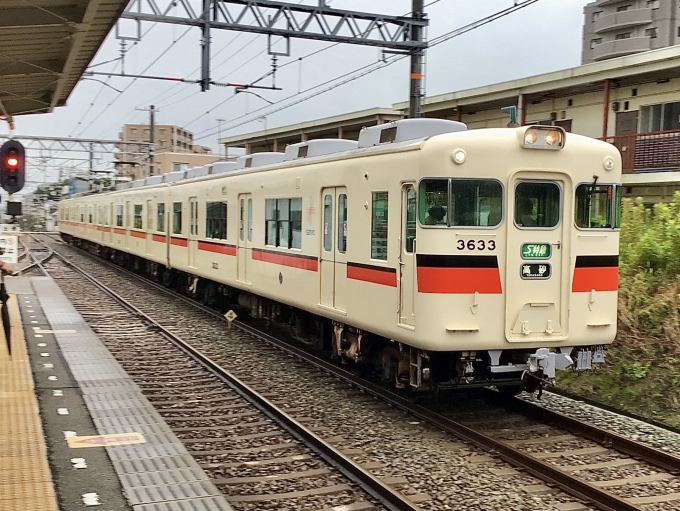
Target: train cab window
379	224
537	205
328	223
460	202
138	217
342	223
216	220
160	217
476	203
176	218
434	202
598	207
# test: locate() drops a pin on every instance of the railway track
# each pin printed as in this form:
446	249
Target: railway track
588	464
38	254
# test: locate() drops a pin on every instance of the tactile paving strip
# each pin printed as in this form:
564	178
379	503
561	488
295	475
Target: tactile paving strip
158	475
25	479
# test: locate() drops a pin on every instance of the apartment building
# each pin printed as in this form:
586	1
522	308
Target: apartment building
614	28
133	160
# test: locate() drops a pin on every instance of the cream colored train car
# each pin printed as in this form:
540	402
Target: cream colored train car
485	257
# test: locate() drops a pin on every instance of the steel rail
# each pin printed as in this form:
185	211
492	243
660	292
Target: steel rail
542	470
391	499
661	459
36	262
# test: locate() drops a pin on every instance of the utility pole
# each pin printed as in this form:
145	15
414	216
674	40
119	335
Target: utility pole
417	59
219	136
152	111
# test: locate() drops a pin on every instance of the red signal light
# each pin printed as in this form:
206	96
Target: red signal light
12	162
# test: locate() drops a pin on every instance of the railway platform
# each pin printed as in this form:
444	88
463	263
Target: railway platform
76	432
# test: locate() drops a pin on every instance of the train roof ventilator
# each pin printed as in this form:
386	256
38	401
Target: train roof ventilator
405	130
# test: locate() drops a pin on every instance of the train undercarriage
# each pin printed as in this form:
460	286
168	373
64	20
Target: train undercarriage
397	364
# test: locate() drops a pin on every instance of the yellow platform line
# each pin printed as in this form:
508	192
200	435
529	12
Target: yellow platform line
25	478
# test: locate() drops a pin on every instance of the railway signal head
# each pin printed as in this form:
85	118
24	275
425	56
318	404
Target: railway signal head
12	166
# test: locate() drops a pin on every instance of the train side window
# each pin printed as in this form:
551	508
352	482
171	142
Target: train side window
284	223
342	223
176	218
242	222
597	207
216	220
270	220
138	216
434	202
410	227
160	217
379	225
328	223
119	215
296	223
250	219
537	205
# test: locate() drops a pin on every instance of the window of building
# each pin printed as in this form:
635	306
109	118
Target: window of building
216	220
625	35
595	42
662	117
138	217
179	167
596	15
379	223
133	130
537	205
653	4
162	131
598	207
147	131
460	202
651	33
162	143
283	223
177	218
160	217
119	215
622	8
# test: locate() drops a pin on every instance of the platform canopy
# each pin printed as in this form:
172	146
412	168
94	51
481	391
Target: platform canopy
45	45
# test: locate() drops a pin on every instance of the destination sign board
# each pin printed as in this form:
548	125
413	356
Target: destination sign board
539	271
536	251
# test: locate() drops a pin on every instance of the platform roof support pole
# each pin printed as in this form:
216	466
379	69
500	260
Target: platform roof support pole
605	112
417	59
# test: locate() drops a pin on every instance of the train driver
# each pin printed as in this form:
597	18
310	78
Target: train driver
524	213
435	216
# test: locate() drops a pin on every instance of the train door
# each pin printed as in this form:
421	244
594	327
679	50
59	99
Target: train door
109	224
128	224
192	244
407	270
245	235
537	266
333	260
149	226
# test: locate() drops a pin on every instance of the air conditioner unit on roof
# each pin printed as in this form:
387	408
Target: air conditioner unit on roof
405	130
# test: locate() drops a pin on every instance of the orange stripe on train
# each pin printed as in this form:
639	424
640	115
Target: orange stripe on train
294	261
375	274
458	274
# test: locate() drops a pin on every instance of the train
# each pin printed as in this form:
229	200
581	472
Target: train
425	253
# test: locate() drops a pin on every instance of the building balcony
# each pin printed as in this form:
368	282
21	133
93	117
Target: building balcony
649	152
602	3
621	20
621	47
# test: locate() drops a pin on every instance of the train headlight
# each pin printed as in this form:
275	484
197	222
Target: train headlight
530	137
543	137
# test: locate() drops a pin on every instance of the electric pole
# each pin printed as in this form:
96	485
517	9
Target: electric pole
152	111
219	136
417	59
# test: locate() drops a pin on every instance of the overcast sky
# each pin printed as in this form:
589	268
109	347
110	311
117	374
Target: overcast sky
542	37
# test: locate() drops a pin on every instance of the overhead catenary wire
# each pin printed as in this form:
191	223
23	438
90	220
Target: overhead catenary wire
364	71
